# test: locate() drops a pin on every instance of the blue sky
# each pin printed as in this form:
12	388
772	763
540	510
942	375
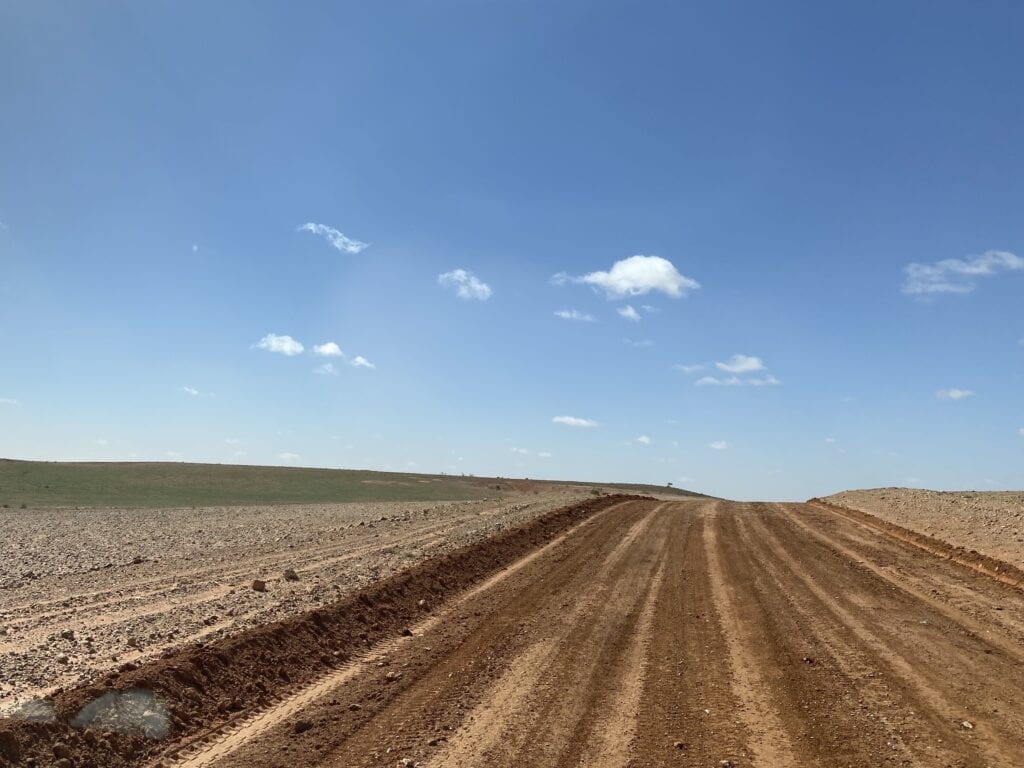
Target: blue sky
753	180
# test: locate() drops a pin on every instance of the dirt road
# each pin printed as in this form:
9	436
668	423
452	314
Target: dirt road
699	633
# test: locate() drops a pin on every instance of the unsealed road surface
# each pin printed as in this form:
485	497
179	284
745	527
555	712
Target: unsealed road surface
680	634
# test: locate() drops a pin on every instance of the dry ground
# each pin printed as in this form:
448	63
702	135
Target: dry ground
84	591
627	634
989	522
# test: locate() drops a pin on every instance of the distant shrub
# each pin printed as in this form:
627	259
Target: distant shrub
596	491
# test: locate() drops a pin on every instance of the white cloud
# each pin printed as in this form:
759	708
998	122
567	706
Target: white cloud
649	309
573	314
523	451
546	455
327	369
957	275
238	454
764	381
1021	431
335	238
572	421
644	440
361	362
191	391
102	441
712	381
232	441
639	343
329	349
741	364
467	285
636	276
954	394
830	439
8	401
629	313
289	458
688	369
3	226
284	345
718	445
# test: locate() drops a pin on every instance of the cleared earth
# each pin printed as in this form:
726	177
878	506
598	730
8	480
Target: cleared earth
626	632
85	591
991	522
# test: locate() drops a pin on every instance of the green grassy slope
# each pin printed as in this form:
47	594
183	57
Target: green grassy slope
138	484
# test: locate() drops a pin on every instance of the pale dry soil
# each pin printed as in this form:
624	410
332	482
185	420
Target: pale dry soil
678	633
991	523
83	591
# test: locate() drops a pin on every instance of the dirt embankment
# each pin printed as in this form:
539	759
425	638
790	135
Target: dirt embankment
113	720
990	523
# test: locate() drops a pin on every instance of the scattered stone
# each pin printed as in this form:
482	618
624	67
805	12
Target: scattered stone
967	725
422	603
64	762
68	634
138	560
726	764
354	707
809	660
291	575
406	632
127	667
407	762
679	744
258	585
392	676
301	726
10	747
63	659
60	749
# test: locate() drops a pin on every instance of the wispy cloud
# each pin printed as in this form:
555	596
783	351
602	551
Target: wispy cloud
1021	431
957	275
337	240
629	313
282	345
644	440
289	458
8	401
328	349
573	314
954	394
232	441
326	369
521	451
714	381
193	392
172	454
467	285
547	455
639	343
765	381
635	276
572	421
361	362
102	441
3	226
741	364
718	445
688	369
830	440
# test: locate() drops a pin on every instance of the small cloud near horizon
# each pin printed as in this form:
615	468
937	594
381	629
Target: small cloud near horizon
718	445
282	345
954	394
572	421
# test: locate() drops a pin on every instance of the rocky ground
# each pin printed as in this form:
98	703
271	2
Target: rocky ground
85	591
989	522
